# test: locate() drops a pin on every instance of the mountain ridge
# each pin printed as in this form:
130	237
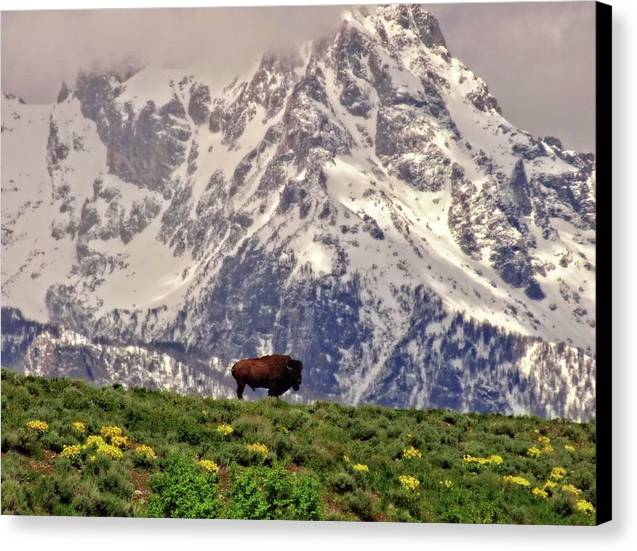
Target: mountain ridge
326	205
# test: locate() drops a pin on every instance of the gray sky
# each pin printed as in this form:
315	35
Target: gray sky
537	58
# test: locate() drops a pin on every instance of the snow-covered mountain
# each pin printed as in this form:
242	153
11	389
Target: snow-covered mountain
361	203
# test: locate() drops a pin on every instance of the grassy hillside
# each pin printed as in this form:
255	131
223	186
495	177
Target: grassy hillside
72	449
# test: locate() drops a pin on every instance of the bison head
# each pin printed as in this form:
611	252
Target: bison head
294	368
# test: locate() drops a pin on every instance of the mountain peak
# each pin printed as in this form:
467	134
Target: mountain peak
286	59
415	18
364	206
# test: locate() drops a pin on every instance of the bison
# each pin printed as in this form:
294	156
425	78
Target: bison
277	373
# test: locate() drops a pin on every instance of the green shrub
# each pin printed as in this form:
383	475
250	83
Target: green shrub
506	427
183	490
361	504
444	459
14	498
109	505
22	441
190	433
312	457
341	482
115	479
263	493
247	500
53	441
363	431
72	397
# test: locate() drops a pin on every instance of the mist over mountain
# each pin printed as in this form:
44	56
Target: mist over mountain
360	203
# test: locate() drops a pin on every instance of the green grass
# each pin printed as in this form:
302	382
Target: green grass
308	470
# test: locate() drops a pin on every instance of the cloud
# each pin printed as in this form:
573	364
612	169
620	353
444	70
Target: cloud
537	58
40	49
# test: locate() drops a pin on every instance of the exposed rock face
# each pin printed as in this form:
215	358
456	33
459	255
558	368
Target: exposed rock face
63	93
361	204
142	147
199	103
68	354
17	336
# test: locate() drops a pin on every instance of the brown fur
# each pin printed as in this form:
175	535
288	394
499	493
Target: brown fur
278	373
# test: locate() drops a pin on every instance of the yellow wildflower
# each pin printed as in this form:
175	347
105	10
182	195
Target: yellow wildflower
146	452
584	506
409	482
79	427
119	441
258	449
534	451
209	465
471	459
558	473
571	489
569	448
71	452
519	480
225	429
112	452
109	431
550	485
346	458
448	484
37	425
495	459
94	441
544	440
539	492
411	453
359	467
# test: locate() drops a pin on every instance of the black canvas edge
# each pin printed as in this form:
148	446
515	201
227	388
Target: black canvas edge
603	292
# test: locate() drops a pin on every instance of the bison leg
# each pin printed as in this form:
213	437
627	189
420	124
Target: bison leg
240	388
274	391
